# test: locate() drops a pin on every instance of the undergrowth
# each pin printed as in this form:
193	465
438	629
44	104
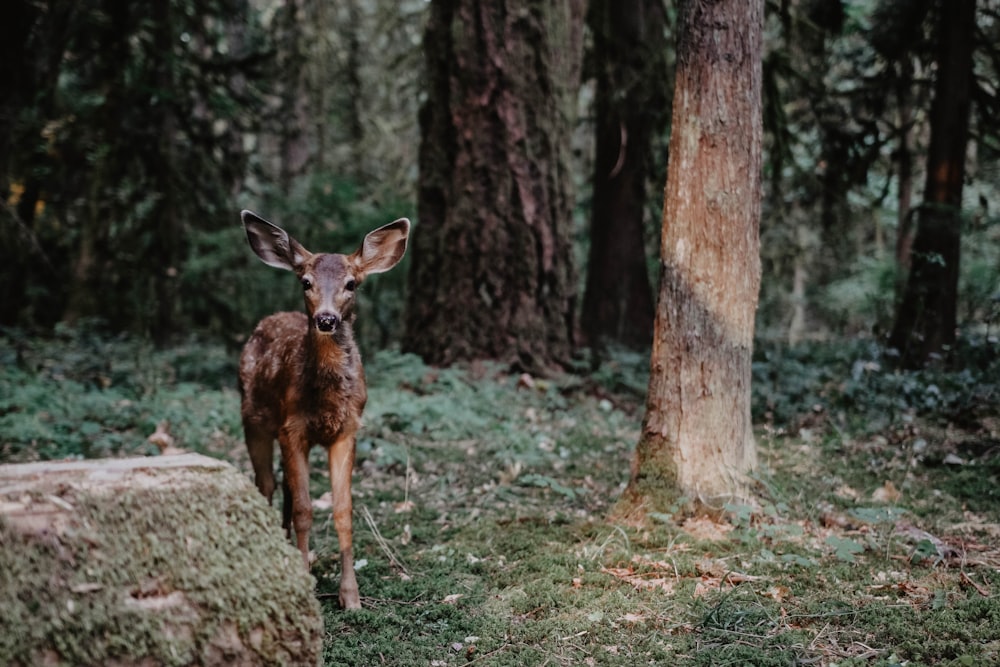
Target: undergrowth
481	500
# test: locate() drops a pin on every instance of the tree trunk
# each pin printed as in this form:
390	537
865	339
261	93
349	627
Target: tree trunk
168	252
629	54
926	318
295	140
492	267
697	439
904	159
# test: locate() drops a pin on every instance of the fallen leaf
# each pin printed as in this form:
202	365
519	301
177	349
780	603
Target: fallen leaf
163	440
453	598
324	502
778	593
887	493
639	581
703	528
405	506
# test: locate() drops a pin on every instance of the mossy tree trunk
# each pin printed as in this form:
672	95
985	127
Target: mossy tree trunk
492	273
697	439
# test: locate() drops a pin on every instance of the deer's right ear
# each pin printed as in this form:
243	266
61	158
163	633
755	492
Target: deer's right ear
272	243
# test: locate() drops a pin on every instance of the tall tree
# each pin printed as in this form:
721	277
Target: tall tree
697	438
492	272
630	102
927	315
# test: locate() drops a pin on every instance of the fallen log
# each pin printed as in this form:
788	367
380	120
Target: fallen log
173	560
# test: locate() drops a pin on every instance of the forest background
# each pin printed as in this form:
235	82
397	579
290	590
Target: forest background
310	114
132	134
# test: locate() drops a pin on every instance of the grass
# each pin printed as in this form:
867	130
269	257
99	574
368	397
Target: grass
481	500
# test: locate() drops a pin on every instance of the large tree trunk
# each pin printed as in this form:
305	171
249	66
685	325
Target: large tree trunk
630	69
697	439
492	268
927	317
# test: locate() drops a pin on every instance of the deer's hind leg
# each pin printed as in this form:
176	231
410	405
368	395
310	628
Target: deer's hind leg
260	445
297	507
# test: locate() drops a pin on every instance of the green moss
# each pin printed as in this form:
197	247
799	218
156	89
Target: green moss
192	551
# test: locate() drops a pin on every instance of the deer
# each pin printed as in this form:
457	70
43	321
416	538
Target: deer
302	382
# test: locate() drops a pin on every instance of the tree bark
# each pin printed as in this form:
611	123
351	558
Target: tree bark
630	99
492	268
697	439
927	317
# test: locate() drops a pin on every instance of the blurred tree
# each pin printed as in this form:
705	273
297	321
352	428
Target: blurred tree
125	132
491	261
927	316
697	438
628	58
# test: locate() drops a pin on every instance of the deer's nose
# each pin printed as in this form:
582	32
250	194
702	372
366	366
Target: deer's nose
327	322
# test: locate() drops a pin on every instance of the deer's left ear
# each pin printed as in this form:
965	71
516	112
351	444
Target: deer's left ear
382	248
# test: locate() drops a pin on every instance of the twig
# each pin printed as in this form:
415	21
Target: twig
979	588
381	541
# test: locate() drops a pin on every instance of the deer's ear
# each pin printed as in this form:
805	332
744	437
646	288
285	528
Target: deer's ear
383	248
272	243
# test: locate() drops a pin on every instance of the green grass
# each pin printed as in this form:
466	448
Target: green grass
481	503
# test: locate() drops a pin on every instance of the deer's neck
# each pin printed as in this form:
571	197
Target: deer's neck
333	360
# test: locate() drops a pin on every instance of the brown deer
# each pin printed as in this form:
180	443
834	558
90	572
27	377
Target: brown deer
301	379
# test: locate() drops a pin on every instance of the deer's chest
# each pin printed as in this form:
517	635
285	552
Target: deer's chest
332	407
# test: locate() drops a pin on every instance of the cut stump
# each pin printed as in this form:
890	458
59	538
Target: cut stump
173	560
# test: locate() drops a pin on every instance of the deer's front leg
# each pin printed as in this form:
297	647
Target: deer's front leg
295	461
341	456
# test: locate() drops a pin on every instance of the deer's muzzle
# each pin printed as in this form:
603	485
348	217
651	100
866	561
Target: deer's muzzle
327	322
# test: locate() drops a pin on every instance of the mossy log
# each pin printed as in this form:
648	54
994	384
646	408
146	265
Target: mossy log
173	560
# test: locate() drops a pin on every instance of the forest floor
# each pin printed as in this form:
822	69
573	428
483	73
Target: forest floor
482	500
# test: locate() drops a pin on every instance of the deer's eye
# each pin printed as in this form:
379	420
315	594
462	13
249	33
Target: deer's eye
350	285
306	284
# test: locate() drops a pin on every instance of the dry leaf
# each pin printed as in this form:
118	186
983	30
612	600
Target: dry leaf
405	506
640	581
163	440
453	598
703	528
706	586
887	493
778	593
324	502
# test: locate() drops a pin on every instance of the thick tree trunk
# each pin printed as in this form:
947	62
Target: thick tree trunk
927	317
697	439
629	61
492	268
